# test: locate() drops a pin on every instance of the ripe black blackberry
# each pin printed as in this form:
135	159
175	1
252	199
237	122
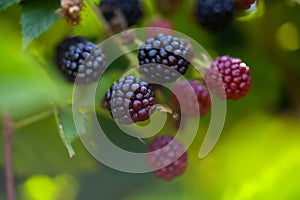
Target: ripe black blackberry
130	100
214	14
230	74
169	162
121	14
243	4
80	60
163	58
191	94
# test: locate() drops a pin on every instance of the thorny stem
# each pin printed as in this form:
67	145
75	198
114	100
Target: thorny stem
7	149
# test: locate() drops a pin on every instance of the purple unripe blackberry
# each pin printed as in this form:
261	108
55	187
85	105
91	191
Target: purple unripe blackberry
214	15
190	95
121	14
169	162
130	100
163	58
80	60
233	74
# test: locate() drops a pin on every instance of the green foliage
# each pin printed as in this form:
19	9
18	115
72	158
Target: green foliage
37	17
67	129
6	3
22	80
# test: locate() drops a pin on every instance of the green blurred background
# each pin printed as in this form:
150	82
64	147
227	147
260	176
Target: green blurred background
257	156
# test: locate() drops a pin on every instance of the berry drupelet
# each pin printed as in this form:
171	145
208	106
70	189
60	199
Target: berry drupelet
130	100
80	60
214	15
191	94
163	58
170	162
229	74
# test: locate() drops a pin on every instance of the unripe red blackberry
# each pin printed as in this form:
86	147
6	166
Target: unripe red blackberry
130	100
80	60
230	74
170	162
243	4
163	58
194	98
160	25
214	15
121	14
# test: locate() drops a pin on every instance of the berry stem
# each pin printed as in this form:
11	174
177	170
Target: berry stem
30	120
200	65
106	29
8	133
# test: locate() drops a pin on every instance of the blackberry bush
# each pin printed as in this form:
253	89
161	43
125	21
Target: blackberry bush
130	100
80	60
163	58
230	74
175	151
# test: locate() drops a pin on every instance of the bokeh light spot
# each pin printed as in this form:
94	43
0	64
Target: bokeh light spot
288	37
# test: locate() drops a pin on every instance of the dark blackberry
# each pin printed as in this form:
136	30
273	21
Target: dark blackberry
121	14
190	95
80	60
243	4
130	100
162	57
230	74
214	15
169	162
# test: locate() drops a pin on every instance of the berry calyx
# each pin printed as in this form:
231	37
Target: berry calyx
163	58
169	162
71	11
229	74
192	97
80	60
130	100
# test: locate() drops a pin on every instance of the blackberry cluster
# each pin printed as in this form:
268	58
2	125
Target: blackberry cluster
163	58
80	60
175	157
230	74
214	14
192	94
130	100
243	4
121	14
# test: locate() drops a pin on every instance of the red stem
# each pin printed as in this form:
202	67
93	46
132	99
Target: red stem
7	147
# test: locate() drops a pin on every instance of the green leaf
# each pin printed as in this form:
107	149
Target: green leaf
25	86
6	3
67	129
37	17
